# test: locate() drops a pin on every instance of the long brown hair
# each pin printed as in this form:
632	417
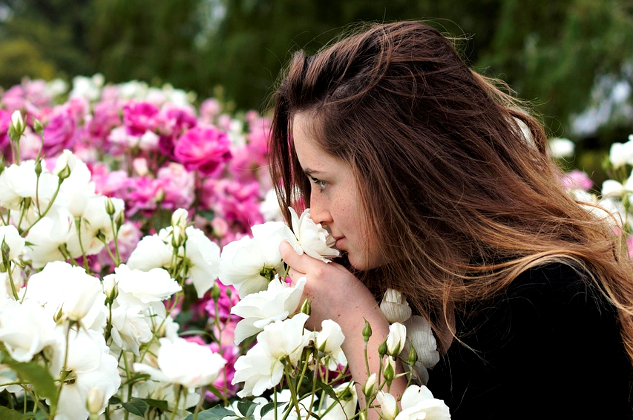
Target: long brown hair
455	177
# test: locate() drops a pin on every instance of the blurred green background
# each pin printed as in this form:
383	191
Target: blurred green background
571	59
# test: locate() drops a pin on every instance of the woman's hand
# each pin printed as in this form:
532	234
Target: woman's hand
334	292
338	295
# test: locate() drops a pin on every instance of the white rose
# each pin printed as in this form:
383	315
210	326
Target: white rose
312	237
388	405
329	341
69	288
261	308
612	188
141	288
47	236
18	182
77	188
395	307
258	370
204	256
184	362
418	403
25	329
344	407
95	221
150	252
242	262
90	366
621	154
261	367
130	328
561	147
330	338
420	336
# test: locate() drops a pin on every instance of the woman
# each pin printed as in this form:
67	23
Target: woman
435	183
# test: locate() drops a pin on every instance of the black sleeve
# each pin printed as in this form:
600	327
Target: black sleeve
549	348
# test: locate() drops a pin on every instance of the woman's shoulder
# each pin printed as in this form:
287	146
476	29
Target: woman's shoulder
559	292
551	334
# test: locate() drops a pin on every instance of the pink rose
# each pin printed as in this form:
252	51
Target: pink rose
178	186
203	148
143	196
60	132
105	117
238	203
5	141
140	117
110	183
209	109
577	180
178	120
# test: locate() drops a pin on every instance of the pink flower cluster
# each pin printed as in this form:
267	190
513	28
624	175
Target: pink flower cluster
154	153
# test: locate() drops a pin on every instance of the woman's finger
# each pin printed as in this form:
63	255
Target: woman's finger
301	263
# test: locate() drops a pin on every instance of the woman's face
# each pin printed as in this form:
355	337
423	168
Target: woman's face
334	197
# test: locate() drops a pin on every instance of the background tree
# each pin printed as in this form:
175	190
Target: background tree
563	56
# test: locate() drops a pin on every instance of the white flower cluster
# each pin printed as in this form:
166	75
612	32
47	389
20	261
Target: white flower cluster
615	195
58	210
83	335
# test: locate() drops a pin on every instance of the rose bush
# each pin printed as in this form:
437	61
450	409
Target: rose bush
140	273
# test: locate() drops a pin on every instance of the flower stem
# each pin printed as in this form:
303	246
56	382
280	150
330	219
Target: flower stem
179	389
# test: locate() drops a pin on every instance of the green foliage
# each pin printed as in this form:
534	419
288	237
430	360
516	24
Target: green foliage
21	58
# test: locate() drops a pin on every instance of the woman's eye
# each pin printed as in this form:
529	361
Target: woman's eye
321	184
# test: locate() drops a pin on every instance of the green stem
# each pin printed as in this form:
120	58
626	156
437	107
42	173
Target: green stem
41	216
179	390
203	390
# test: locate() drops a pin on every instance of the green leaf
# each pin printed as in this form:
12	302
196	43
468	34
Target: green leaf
136	406
215	413
328	390
267	407
8	414
159	404
39	377
246	407
215	391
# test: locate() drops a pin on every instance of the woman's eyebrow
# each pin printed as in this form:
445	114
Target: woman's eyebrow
311	172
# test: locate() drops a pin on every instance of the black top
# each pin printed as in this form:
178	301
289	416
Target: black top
548	348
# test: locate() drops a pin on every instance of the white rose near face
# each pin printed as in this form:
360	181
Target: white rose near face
313	239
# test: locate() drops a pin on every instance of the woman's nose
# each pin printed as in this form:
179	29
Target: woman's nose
319	213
